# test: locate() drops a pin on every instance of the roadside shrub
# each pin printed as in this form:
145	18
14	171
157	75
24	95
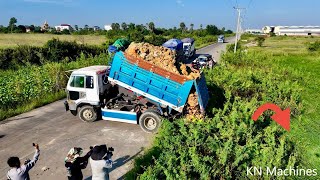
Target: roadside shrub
260	40
313	46
53	51
230	47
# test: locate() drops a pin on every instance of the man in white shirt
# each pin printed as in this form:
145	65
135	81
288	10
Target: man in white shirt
18	172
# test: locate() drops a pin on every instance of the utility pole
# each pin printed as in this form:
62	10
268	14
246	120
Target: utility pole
238	27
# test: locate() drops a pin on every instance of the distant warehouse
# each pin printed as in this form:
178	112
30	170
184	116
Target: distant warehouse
293	30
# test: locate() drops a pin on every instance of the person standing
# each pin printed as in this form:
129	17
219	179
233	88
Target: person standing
74	163
100	162
18	172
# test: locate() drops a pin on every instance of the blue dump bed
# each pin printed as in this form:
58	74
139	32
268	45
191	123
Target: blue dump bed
155	83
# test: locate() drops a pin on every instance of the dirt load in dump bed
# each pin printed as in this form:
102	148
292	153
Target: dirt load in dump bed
166	58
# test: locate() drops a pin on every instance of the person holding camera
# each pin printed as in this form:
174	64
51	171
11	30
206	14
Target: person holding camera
18	172
100	161
74	163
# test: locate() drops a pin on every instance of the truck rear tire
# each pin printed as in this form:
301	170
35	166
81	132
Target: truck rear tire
88	114
149	122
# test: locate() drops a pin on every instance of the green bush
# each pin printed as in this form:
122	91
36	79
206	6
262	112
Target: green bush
260	40
314	46
53	51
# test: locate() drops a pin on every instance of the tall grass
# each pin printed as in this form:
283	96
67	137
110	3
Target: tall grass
33	86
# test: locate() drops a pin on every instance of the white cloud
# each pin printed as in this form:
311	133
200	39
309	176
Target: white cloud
180	3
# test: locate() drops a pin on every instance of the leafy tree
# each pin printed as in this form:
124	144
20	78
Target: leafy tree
151	26
212	30
131	26
115	26
183	26
223	30
201	26
124	26
3	29
191	27
20	29
86	27
37	29
12	23
136	36
229	31
76	27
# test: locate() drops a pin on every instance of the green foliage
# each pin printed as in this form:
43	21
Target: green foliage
313	46
260	40
35	83
224	144
53	51
156	40
230	47
272	34
136	36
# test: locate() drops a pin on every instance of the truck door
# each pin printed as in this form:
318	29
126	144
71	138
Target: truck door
77	90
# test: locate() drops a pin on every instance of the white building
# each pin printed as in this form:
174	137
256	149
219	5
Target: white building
297	30
63	27
107	27
293	30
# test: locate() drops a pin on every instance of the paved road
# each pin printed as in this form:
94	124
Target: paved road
216	49
57	131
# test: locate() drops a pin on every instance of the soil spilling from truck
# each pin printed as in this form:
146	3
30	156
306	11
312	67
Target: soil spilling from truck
166	58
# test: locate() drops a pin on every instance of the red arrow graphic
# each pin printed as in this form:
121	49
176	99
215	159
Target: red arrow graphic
281	117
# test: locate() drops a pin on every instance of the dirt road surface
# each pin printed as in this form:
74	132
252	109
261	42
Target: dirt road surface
57	131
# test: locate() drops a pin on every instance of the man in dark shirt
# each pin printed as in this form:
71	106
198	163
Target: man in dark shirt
74	163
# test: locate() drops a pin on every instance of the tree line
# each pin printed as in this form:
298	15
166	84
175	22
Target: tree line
117	28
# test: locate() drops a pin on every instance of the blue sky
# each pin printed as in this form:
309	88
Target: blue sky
164	13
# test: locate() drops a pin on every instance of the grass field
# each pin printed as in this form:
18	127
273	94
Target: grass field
291	53
13	40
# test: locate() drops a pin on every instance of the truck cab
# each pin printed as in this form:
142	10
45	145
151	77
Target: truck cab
85	90
188	47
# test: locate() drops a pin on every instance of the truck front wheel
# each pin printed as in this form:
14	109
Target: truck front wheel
88	114
149	122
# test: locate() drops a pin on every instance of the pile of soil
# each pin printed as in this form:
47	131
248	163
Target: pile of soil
193	108
166	58
162	57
